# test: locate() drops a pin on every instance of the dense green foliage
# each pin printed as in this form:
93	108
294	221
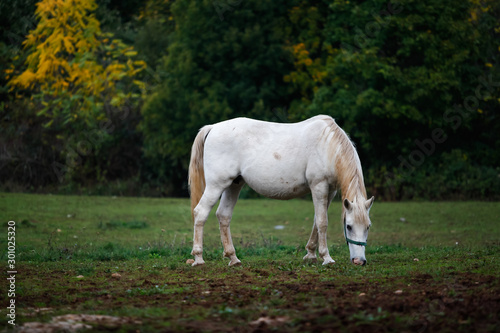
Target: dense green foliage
216	69
416	84
393	73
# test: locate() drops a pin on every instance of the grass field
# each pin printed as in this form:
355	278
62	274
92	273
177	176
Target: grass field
431	267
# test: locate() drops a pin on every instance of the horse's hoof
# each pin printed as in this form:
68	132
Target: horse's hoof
328	262
235	263
198	263
310	257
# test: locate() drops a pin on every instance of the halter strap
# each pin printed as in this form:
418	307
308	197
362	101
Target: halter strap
348	240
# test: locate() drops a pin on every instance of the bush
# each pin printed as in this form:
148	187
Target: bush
452	175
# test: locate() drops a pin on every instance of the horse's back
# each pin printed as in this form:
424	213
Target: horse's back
261	131
250	138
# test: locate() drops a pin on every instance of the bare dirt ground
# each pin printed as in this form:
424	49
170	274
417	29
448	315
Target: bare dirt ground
260	300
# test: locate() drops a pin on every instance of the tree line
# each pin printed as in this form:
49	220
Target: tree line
106	96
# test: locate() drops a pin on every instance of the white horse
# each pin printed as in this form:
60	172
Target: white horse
280	161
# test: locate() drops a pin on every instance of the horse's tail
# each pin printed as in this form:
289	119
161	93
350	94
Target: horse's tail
196	171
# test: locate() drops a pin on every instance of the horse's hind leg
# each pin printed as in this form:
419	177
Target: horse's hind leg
207	201
224	214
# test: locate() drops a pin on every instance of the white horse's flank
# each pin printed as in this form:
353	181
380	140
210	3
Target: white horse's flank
280	161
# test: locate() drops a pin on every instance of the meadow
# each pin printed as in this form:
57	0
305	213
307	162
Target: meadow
432	266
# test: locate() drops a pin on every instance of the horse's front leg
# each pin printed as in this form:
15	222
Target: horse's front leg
321	200
312	244
224	214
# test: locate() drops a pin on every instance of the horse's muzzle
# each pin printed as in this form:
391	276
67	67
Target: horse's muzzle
359	261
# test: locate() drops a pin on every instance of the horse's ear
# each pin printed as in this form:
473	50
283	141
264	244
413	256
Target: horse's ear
347	204
369	203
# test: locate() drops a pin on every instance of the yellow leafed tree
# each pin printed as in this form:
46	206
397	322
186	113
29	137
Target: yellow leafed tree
73	68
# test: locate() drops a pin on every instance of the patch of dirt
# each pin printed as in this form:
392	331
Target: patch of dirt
467	303
279	301
76	322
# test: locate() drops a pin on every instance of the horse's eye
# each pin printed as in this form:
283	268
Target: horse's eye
368	227
349	228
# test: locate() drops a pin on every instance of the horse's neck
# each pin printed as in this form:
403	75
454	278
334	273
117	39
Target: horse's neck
347	164
353	188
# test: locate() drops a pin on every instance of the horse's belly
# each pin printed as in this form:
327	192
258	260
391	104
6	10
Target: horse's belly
278	187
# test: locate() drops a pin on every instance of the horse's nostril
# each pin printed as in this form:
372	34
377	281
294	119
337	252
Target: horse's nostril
358	261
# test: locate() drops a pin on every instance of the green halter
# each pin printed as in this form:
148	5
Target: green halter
348	240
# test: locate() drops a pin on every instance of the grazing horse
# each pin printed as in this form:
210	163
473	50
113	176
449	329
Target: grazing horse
279	161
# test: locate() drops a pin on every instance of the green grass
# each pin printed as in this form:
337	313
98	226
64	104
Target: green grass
443	256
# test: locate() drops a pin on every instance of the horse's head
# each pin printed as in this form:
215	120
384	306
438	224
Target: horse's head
356	226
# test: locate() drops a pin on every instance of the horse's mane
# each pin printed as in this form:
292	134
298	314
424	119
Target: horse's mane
347	163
